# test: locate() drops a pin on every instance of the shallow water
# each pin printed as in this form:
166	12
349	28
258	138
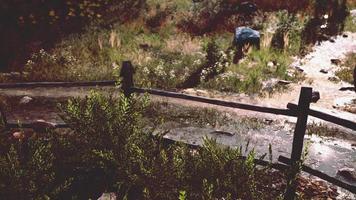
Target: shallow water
324	154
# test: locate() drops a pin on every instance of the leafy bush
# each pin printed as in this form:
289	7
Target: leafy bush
345	72
288	34
110	149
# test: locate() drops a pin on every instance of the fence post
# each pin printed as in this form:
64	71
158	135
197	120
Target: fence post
305	99
126	73
3	117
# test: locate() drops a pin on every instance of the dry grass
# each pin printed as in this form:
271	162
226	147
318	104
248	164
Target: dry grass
183	43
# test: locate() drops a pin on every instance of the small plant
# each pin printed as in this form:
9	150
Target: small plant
346	71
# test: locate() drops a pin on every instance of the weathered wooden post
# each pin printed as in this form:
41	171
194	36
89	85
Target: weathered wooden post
126	73
3	118
305	99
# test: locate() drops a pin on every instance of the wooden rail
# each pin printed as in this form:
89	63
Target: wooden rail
229	104
56	84
330	118
321	175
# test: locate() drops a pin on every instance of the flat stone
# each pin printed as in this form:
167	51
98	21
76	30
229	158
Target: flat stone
284	82
324	71
223	132
25	100
335	61
299	69
41	125
347	88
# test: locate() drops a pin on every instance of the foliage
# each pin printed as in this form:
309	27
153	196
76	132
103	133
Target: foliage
110	150
345	72
288	34
247	76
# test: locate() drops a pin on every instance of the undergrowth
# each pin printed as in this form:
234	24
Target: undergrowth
110	150
346	70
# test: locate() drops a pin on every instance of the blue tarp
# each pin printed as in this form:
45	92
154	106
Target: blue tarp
244	34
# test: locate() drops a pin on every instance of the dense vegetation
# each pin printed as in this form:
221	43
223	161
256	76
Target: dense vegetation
173	44
111	149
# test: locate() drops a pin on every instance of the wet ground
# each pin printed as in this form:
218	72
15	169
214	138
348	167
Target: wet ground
324	154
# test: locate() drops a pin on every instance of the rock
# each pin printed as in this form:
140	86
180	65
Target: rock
41	125
345	36
331	40
18	135
284	82
144	46
353	145
335	61
315	96
299	69
223	132
334	79
324	71
347	88
202	93
108	196
269	84
347	173
11	75
270	64
25	100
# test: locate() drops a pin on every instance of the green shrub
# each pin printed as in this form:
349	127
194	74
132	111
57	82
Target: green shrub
345	72
110	149
248	75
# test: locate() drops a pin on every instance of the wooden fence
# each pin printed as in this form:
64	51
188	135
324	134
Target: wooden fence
301	111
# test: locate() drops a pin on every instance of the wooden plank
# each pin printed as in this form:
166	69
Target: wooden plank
330	118
126	73
230	104
57	84
30	125
321	175
305	99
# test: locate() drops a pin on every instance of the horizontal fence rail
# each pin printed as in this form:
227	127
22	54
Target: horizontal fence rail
57	84
330	118
335	181
230	104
